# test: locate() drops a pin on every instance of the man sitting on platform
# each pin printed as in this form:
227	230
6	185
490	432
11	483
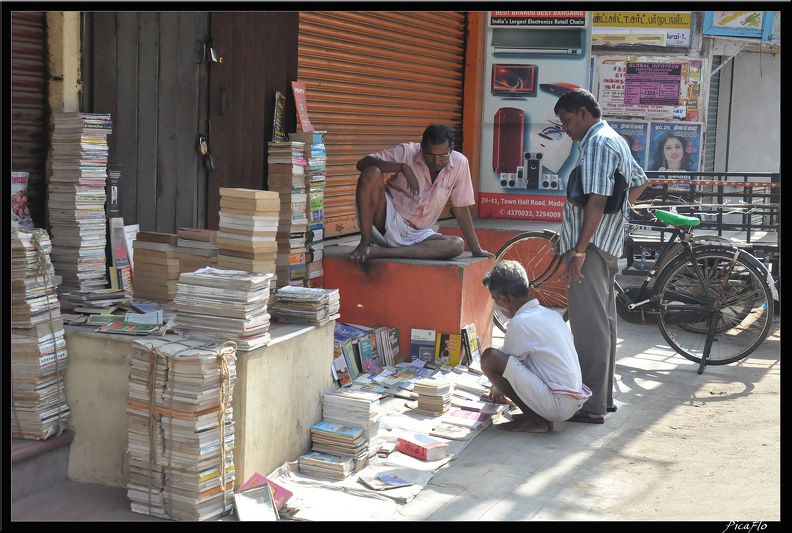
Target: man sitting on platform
401	192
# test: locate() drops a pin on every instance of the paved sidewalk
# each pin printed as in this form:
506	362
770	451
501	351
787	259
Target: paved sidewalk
681	447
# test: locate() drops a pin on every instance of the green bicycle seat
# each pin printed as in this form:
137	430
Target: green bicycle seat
675	219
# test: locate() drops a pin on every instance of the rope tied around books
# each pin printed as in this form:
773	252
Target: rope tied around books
154	355
225	354
227	351
42	271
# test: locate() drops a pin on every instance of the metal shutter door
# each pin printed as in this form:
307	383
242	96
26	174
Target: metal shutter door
712	117
29	137
373	80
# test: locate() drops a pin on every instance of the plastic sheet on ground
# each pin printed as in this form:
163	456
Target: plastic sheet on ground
322	499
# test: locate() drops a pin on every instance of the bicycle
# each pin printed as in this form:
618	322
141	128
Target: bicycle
712	302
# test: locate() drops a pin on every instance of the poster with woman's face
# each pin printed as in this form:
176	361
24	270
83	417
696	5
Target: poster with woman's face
675	146
636	133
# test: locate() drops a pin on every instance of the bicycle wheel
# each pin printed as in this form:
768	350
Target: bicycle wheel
536	252
742	310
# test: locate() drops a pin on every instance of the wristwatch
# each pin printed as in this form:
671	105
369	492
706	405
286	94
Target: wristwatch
575	253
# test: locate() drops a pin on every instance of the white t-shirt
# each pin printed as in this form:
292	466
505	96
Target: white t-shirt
541	340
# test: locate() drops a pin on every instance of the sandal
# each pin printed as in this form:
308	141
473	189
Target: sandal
583	417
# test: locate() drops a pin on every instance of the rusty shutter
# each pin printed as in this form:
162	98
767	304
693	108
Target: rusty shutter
28	112
373	80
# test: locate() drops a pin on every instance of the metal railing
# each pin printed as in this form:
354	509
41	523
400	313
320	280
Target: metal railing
742	202
744	207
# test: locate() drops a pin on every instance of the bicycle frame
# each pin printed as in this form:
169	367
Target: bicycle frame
639	301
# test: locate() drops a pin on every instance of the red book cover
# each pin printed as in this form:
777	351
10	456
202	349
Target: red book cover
280	494
301	103
422	447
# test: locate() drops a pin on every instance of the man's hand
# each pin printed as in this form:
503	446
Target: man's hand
498	397
412	182
573	270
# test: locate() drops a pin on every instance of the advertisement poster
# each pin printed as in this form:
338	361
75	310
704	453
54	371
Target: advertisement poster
634	28
675	146
533	57
659	88
636	133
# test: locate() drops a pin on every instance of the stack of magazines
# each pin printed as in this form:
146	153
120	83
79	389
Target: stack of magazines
38	346
306	305
220	305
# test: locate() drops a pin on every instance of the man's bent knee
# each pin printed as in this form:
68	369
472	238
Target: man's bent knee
371	175
454	246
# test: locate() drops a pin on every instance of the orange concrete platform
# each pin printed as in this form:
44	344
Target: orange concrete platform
411	293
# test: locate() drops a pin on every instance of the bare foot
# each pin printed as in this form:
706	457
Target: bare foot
364	252
524	425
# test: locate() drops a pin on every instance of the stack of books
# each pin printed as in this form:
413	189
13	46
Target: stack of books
120	269
306	305
355	408
156	265
189	475
326	465
434	396
145	441
341	439
197	248
77	197
315	179
314	271
286	176
99	301
215	304
38	347
247	231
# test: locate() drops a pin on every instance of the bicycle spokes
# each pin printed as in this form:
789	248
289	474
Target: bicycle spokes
535	251
717	315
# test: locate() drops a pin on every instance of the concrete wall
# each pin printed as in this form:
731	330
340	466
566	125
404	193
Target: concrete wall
276	399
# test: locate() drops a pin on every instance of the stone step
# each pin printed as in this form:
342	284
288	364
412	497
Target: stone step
37	465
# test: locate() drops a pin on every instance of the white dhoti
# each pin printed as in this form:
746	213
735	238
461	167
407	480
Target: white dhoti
397	231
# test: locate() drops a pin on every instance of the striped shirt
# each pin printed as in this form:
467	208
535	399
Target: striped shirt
601	152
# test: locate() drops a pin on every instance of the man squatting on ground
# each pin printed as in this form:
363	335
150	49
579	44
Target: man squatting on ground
401	192
538	368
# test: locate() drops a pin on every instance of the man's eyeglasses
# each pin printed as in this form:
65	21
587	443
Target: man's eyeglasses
437	156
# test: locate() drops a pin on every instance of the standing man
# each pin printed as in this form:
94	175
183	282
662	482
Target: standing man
592	243
401	192
538	368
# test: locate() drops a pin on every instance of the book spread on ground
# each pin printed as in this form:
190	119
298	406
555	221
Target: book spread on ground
422	446
280	494
256	504
384	482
